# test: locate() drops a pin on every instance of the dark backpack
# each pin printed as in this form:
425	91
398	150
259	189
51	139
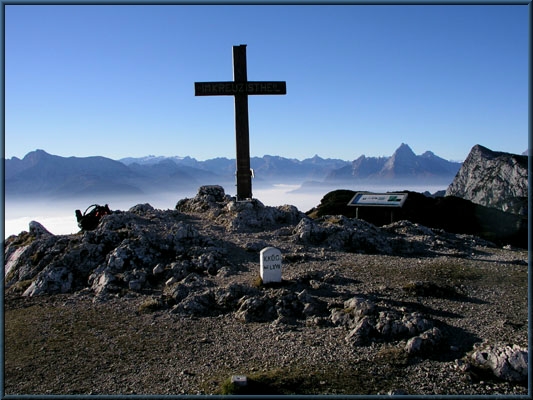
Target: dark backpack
92	216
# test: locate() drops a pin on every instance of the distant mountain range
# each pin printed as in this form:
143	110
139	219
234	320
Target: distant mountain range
46	175
403	165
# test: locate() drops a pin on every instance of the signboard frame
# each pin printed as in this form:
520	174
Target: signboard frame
235	88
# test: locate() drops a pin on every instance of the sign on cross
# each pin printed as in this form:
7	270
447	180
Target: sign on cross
241	88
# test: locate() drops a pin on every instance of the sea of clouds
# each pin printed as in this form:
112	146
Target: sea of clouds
59	218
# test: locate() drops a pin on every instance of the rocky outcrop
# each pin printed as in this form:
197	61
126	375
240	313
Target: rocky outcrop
366	322
358	236
121	254
238	216
493	179
145	248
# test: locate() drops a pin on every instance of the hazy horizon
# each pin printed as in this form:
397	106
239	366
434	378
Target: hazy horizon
58	216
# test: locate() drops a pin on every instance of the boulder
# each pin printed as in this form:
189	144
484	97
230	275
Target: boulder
256	309
56	279
197	304
506	362
425	343
362	331
366	321
358	307
37	230
192	283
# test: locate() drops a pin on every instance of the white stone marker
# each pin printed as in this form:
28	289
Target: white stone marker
239	380
270	261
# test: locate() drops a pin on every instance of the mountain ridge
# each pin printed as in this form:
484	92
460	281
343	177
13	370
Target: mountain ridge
43	174
402	165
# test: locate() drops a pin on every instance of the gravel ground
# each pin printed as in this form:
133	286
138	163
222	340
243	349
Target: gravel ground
69	344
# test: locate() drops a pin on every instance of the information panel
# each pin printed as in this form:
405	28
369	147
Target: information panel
378	199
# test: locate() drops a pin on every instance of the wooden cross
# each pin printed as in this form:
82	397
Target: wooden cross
240	88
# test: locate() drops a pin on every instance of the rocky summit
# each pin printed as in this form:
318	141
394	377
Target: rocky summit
494	179
171	302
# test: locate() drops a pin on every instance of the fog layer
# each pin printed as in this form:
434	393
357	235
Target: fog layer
59	218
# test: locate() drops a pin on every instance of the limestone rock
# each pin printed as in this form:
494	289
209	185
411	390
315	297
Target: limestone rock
36	229
361	332
424	343
192	283
101	283
239	216
228	298
197	304
399	238
506	362
120	254
494	179
366	321
358	307
256	309
56	279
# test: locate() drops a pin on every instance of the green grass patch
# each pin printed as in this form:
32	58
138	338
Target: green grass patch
150	305
393	356
22	239
20	286
449	273
323	379
277	382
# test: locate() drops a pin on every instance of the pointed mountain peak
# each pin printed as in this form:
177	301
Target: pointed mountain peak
38	152
34	157
404	149
481	149
403	154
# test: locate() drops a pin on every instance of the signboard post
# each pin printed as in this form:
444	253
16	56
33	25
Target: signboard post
240	88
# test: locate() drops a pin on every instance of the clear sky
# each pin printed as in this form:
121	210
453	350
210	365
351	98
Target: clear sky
118	81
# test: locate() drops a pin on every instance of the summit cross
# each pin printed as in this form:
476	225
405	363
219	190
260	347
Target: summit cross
240	88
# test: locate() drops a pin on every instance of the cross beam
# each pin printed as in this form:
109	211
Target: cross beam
240	88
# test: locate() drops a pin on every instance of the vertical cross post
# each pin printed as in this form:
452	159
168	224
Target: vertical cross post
242	128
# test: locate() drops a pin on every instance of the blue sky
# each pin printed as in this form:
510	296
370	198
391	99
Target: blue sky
118	81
